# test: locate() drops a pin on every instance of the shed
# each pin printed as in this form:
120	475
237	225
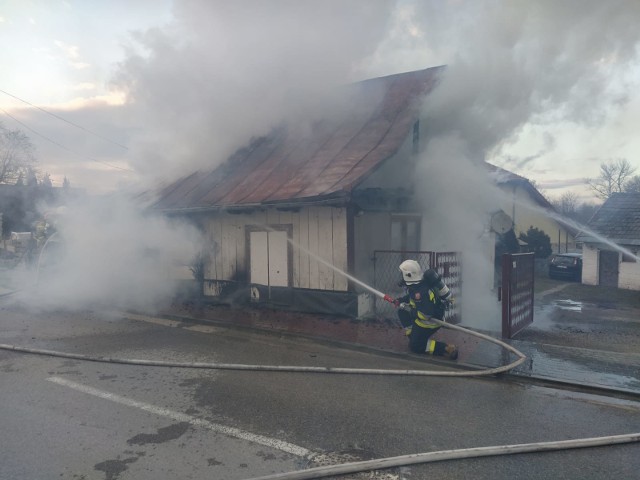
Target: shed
612	243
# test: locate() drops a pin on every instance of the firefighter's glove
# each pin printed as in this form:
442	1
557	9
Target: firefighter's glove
448	303
404	306
407	331
396	303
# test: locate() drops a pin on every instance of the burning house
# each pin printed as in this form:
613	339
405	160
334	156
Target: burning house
285	216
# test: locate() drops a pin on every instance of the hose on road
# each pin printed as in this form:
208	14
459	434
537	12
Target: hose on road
404	460
289	368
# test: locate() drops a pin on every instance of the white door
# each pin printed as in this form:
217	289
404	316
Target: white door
269	256
278	259
259	255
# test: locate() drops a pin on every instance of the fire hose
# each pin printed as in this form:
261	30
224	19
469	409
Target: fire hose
289	368
382	463
464	453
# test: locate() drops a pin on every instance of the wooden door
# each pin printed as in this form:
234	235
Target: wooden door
269	258
608	268
278	259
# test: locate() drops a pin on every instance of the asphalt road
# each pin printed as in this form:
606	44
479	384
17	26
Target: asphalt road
71	419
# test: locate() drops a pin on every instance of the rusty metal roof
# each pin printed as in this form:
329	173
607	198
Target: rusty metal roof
339	153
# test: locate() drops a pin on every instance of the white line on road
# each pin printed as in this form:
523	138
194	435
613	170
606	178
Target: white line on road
181	417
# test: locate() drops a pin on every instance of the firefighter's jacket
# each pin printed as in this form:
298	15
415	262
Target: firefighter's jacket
425	299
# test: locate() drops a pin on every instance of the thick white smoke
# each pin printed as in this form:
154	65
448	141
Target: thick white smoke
510	65
224	72
515	63
108	252
197	89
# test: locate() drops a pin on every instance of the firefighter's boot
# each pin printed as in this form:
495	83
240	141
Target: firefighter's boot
452	351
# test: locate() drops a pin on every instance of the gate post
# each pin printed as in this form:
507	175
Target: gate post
506	294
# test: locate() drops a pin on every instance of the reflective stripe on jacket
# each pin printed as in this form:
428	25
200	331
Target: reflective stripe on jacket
423	320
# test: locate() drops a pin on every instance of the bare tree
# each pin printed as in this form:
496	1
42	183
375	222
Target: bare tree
633	185
571	207
568	204
613	177
16	155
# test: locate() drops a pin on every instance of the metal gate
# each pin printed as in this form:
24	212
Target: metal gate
386	276
517	292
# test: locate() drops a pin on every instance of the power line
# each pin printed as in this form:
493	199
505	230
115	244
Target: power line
62	146
65	120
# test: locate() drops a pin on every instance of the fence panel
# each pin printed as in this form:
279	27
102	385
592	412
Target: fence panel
517	292
387	276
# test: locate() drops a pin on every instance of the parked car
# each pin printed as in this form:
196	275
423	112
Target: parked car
566	266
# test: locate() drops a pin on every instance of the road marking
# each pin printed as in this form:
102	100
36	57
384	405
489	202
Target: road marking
181	417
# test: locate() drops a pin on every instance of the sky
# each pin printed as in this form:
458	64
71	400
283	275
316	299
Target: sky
122	92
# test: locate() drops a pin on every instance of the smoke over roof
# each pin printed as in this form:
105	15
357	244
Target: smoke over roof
224	72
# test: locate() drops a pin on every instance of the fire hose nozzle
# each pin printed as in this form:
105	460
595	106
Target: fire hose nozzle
388	298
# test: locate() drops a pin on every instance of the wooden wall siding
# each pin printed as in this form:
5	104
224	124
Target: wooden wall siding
339	250
322	231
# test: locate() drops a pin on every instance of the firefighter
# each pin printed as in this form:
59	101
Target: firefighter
427	297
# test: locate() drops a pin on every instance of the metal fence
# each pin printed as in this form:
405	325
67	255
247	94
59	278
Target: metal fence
517	292
387	276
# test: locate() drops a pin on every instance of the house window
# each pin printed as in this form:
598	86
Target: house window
630	258
405	233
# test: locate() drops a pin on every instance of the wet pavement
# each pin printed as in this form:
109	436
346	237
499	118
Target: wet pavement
594	368
581	367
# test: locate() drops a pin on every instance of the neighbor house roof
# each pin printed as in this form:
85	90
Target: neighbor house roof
505	177
329	162
617	220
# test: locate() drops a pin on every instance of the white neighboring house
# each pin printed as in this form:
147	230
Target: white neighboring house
615	224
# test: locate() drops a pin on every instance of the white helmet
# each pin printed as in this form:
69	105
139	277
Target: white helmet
411	272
